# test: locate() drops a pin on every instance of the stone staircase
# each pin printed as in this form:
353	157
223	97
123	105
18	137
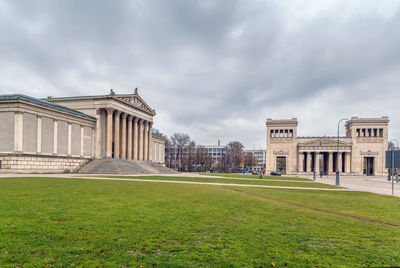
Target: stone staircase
120	166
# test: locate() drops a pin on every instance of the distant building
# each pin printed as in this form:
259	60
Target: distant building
361	151
216	151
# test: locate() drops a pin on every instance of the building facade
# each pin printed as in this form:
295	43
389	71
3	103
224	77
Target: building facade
361	151
64	133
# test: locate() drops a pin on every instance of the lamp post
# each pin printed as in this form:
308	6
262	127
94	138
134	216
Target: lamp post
337	155
397	146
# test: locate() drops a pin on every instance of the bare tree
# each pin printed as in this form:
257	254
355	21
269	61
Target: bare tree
391	145
203	159
179	141
169	153
190	155
234	153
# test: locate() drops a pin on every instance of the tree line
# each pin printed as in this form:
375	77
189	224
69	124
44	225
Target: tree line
182	153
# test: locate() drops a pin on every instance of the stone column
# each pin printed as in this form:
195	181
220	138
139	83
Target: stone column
144	141
308	162
150	158
141	139
129	137
330	163
339	162
135	139
55	137
97	142
316	162
116	134
123	136
347	165
109	132
322	157
301	162
39	135
18	131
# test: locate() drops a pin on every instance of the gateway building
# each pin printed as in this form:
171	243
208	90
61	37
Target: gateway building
361	151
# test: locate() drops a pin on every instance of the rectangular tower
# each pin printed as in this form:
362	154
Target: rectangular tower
370	141
282	146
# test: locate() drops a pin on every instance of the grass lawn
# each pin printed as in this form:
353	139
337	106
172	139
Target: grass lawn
308	184
74	222
254	176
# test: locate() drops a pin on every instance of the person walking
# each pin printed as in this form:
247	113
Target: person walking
320	173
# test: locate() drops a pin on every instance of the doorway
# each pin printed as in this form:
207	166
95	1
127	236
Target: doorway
368	166
281	164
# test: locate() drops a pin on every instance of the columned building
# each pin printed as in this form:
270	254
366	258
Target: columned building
36	134
361	151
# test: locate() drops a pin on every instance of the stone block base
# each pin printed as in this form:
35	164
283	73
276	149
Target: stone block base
39	164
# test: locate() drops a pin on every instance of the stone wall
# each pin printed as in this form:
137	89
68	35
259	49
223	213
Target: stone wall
40	163
7	131
47	135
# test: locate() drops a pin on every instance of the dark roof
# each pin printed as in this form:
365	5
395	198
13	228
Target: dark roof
158	135
43	103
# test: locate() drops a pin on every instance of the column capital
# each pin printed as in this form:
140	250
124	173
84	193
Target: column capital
109	110
129	116
117	112
124	115
135	120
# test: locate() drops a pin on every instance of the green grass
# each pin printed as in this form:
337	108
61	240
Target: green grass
74	222
233	180
254	176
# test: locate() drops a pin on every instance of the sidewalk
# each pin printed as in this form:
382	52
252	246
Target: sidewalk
378	185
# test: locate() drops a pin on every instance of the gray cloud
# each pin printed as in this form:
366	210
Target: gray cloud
212	69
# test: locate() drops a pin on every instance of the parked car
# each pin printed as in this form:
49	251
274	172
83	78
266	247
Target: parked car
275	173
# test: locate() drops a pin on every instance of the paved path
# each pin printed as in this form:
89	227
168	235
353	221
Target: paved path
378	185
214	184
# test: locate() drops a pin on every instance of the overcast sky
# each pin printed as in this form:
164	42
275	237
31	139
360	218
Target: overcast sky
212	69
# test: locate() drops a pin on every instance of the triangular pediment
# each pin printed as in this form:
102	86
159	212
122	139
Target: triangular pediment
135	101
326	142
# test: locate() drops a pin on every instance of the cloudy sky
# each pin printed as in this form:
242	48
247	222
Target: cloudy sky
212	69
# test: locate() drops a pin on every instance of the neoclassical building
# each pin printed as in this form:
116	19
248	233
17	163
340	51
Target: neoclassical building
361	151
65	132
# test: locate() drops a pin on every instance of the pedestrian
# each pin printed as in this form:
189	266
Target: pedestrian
320	173
260	175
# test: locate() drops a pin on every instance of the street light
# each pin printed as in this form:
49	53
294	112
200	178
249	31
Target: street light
397	146
337	155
